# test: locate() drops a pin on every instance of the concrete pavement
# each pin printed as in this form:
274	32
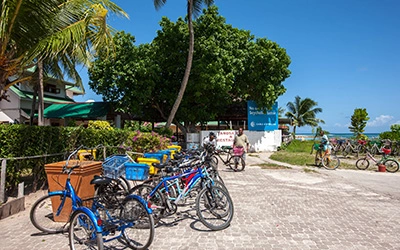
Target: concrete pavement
274	209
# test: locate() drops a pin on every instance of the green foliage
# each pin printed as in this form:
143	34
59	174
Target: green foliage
145	142
100	125
358	122
20	141
228	65
303	113
393	135
135	125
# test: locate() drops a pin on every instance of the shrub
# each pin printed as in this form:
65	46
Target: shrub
146	142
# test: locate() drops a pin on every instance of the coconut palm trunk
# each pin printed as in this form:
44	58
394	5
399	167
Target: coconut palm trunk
188	67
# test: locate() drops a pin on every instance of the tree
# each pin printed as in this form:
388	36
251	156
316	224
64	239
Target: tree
193	8
358	122
141	80
393	134
59	33
303	113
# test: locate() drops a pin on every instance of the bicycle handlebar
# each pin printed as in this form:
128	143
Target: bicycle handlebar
74	153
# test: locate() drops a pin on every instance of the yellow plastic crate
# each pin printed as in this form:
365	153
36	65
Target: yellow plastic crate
149	161
87	154
176	147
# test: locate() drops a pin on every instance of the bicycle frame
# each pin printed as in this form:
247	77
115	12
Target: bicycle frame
228	156
199	174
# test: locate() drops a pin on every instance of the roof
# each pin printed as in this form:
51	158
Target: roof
48	99
77	110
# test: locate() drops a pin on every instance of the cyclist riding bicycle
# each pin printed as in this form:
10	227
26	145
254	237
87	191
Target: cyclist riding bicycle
325	145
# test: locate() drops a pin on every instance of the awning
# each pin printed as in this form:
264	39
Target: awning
46	98
77	110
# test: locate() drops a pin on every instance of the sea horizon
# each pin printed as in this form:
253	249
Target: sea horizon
338	135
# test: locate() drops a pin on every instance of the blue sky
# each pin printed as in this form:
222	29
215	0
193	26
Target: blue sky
344	53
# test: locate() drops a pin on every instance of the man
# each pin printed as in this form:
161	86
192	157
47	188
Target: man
241	141
210	141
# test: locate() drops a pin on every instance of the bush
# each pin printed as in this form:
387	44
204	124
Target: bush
142	142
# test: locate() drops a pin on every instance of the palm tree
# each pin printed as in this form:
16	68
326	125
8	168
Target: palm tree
193	9
303	113
63	32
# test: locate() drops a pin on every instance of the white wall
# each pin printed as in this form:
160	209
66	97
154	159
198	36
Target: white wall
260	141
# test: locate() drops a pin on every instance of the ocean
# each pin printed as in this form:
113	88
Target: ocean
310	136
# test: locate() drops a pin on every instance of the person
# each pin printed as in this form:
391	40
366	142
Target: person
210	141
241	141
324	143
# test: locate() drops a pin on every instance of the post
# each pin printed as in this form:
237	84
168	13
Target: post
3	181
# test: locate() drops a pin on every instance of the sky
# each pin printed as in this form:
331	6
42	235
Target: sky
345	53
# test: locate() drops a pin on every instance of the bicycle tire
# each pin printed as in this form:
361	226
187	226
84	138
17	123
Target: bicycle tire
318	157
392	166
237	163
214	159
157	200
330	162
140	235
43	218
362	163
214	205
82	232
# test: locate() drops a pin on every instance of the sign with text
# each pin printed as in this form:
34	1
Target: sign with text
225	137
259	120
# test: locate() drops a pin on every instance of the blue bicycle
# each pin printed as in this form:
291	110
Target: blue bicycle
108	216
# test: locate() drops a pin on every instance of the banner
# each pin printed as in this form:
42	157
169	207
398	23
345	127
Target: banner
260	121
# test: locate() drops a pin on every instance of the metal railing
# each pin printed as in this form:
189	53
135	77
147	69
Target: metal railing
4	171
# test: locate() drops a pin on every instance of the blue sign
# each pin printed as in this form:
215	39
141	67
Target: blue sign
260	120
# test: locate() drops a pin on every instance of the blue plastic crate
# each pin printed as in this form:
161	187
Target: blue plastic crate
136	171
114	166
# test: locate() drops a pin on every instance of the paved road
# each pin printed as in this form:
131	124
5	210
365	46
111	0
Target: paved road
274	209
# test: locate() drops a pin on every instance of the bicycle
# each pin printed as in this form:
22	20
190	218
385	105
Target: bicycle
234	158
92	219
350	148
328	161
391	164
215	199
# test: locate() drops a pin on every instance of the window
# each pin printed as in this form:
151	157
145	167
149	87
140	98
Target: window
51	88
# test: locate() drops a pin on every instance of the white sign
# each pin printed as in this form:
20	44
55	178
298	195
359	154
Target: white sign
225	137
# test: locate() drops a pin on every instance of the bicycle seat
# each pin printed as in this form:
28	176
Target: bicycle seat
100	180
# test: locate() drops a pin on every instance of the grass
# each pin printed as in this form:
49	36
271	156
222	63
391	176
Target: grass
298	153
268	165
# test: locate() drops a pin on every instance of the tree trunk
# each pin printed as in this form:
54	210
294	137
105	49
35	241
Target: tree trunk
33	108
40	95
188	67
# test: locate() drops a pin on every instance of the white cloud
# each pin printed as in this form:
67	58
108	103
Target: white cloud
342	125
380	120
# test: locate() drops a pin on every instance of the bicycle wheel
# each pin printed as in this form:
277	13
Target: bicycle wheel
362	163
82	232
237	163
158	203
214	159
140	232
214	208
392	166
43	217
330	162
